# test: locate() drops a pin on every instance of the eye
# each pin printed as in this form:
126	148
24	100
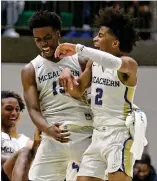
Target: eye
100	35
49	37
18	109
37	40
8	108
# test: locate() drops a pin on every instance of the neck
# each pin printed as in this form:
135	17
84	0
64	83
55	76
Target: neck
120	54
53	59
11	131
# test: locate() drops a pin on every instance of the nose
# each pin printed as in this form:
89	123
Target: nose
14	113
43	43
141	174
95	39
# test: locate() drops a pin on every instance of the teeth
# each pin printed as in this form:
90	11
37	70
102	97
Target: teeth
46	49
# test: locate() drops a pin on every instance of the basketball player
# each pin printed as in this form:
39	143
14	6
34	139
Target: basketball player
60	117
17	150
12	141
113	79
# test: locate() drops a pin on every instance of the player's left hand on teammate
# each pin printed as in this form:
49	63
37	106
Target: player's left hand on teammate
64	50
63	137
67	80
59	134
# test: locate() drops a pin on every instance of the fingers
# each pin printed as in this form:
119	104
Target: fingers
60	52
70	83
75	82
63	140
66	79
57	124
57	52
64	131
63	137
65	49
65	84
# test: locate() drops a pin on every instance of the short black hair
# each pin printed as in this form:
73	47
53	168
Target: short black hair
121	25
144	160
11	94
44	18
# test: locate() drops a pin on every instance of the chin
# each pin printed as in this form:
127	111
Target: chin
48	56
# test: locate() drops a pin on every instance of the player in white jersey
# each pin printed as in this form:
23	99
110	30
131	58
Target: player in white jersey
16	149
60	117
113	82
12	141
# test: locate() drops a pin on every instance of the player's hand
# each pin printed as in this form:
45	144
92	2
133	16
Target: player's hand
64	50
67	80
58	134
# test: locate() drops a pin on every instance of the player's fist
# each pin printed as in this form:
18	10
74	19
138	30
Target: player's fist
67	80
64	50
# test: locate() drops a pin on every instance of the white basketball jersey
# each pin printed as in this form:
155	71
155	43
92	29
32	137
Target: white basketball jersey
21	141
11	145
111	100
56	105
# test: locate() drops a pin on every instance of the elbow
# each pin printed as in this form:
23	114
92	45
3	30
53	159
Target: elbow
33	111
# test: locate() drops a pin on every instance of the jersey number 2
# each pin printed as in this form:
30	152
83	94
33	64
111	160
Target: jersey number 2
98	97
54	88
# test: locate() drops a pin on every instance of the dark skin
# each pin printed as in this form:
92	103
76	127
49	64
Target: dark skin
47	40
10	115
18	165
142	171
104	41
10	112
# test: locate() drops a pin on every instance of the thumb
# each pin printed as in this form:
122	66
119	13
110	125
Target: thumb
75	82
57	124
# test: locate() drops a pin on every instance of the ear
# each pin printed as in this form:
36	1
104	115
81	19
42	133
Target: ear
58	34
115	44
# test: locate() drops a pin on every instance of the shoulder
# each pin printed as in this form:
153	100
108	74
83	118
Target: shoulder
28	71
128	66
83	61
5	136
130	61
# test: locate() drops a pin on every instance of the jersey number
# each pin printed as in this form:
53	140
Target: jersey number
98	97
54	88
75	166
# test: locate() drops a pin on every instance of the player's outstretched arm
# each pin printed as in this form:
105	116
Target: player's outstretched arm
76	87
33	106
123	64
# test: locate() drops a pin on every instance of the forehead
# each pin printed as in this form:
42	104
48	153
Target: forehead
142	166
104	29
43	31
10	101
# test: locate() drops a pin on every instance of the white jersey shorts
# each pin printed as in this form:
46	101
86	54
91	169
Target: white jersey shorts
108	152
55	160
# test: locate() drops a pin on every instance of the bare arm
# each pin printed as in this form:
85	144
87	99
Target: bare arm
33	106
76	87
22	165
123	64
4	158
129	66
31	97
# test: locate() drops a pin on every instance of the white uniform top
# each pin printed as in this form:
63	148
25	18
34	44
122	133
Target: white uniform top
56	105
11	145
111	100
